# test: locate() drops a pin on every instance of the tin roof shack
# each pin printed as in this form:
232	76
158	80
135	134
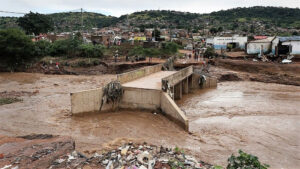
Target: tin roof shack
233	42
260	46
286	45
101	39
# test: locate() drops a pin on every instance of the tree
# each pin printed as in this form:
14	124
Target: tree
35	23
156	34
213	30
142	28
16	48
295	33
220	29
252	29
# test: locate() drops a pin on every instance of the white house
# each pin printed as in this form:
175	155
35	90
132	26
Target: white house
286	45
235	41
258	46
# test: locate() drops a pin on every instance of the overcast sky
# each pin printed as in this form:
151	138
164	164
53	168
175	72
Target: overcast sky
120	7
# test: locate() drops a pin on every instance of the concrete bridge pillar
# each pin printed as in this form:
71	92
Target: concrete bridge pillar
185	86
190	81
178	91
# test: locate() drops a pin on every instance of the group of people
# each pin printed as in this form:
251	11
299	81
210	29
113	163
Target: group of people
195	53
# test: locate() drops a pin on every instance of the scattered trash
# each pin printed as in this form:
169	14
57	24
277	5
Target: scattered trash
286	61
290	57
59	161
143	156
6	167
70	157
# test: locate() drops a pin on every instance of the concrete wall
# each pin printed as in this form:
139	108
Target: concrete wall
135	98
221	42
172	111
139	73
254	48
178	76
210	82
295	47
87	101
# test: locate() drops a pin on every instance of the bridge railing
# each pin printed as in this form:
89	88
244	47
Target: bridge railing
177	77
139	73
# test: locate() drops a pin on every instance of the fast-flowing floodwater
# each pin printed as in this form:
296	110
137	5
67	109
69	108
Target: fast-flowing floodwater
259	118
262	119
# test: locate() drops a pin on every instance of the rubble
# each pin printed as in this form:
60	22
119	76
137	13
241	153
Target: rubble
47	151
146	157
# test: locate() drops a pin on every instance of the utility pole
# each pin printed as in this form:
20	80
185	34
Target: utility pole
81	20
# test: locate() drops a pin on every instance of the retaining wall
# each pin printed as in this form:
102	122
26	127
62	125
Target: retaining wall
139	73
137	98
87	101
171	110
210	82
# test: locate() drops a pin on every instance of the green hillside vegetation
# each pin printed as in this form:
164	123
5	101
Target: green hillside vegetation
163	19
250	20
71	21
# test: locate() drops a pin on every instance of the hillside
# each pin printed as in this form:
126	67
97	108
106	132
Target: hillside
256	20
248	20
70	21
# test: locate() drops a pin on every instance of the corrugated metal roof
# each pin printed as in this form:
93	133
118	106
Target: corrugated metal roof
289	38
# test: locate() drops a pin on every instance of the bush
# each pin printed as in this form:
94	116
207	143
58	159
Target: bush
16	48
245	160
170	48
67	47
151	52
167	49
42	48
59	47
91	51
209	53
137	50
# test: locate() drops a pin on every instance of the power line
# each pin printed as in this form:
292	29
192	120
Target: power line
21	13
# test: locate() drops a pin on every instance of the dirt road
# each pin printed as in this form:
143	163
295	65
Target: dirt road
258	118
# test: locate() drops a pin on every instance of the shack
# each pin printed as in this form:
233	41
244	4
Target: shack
101	39
286	45
258	46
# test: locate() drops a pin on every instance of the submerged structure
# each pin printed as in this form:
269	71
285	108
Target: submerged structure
148	88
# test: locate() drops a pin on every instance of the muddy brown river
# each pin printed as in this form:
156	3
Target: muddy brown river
261	119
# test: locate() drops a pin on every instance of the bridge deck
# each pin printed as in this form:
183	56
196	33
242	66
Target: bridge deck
152	81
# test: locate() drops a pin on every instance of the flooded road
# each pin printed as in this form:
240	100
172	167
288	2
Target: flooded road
262	119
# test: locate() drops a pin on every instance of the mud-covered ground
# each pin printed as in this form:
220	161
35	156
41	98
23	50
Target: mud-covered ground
267	72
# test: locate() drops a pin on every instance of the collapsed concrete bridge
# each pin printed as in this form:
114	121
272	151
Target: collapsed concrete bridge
148	88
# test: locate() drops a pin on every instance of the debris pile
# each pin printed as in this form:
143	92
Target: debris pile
134	156
112	93
53	152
